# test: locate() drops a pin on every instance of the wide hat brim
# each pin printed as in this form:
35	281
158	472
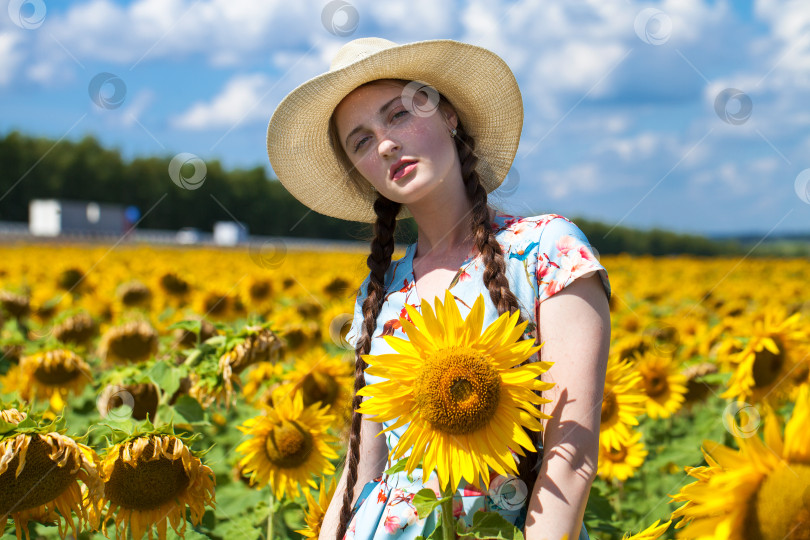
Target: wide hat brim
476	81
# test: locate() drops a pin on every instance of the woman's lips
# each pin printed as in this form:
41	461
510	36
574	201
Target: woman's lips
399	173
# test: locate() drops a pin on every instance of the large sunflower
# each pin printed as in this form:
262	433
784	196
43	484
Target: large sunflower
289	445
39	474
622	403
150	480
464	393
759	492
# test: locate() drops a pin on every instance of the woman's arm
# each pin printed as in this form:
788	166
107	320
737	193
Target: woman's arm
371	464
575	325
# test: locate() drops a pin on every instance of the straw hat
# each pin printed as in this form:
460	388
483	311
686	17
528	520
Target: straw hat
476	81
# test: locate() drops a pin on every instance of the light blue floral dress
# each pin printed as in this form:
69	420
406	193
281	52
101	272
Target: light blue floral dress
544	254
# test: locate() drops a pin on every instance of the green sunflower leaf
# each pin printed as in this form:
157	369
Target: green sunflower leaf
425	501
491	525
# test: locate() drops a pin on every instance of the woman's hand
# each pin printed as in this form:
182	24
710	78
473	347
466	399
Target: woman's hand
575	325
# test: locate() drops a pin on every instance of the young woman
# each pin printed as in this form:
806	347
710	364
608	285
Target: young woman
427	130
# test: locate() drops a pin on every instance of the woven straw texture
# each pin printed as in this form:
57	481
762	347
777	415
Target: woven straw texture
476	81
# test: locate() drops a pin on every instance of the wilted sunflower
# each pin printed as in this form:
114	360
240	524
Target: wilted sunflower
39	471
317	509
776	349
134	294
59	371
150	480
14	304
698	390
623	401
759	492
77	329
621	463
288	445
464	394
133	341
323	378
174	285
663	384
216	381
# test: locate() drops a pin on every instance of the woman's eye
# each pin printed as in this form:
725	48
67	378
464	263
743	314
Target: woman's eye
397	115
359	144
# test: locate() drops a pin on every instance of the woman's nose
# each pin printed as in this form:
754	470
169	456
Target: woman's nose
387	145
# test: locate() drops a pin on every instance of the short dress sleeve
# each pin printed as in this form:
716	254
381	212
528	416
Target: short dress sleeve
354	331
563	255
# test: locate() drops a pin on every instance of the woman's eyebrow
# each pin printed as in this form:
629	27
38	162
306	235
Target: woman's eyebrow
381	112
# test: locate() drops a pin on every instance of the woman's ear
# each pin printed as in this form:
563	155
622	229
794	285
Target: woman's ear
450	116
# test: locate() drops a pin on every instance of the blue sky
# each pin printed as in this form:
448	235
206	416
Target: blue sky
622	122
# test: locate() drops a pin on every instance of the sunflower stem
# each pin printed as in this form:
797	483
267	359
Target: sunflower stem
448	523
272	503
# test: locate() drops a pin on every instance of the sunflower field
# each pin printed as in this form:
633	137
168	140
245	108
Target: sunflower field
205	393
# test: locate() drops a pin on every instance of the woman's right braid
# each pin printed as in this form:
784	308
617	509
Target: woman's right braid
495	278
382	248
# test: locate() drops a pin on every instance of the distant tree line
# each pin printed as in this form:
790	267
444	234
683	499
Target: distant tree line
41	168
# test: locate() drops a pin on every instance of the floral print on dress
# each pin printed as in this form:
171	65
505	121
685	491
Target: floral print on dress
543	255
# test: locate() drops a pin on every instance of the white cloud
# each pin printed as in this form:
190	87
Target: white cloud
242	100
10	57
578	180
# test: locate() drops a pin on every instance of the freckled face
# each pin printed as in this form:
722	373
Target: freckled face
377	131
